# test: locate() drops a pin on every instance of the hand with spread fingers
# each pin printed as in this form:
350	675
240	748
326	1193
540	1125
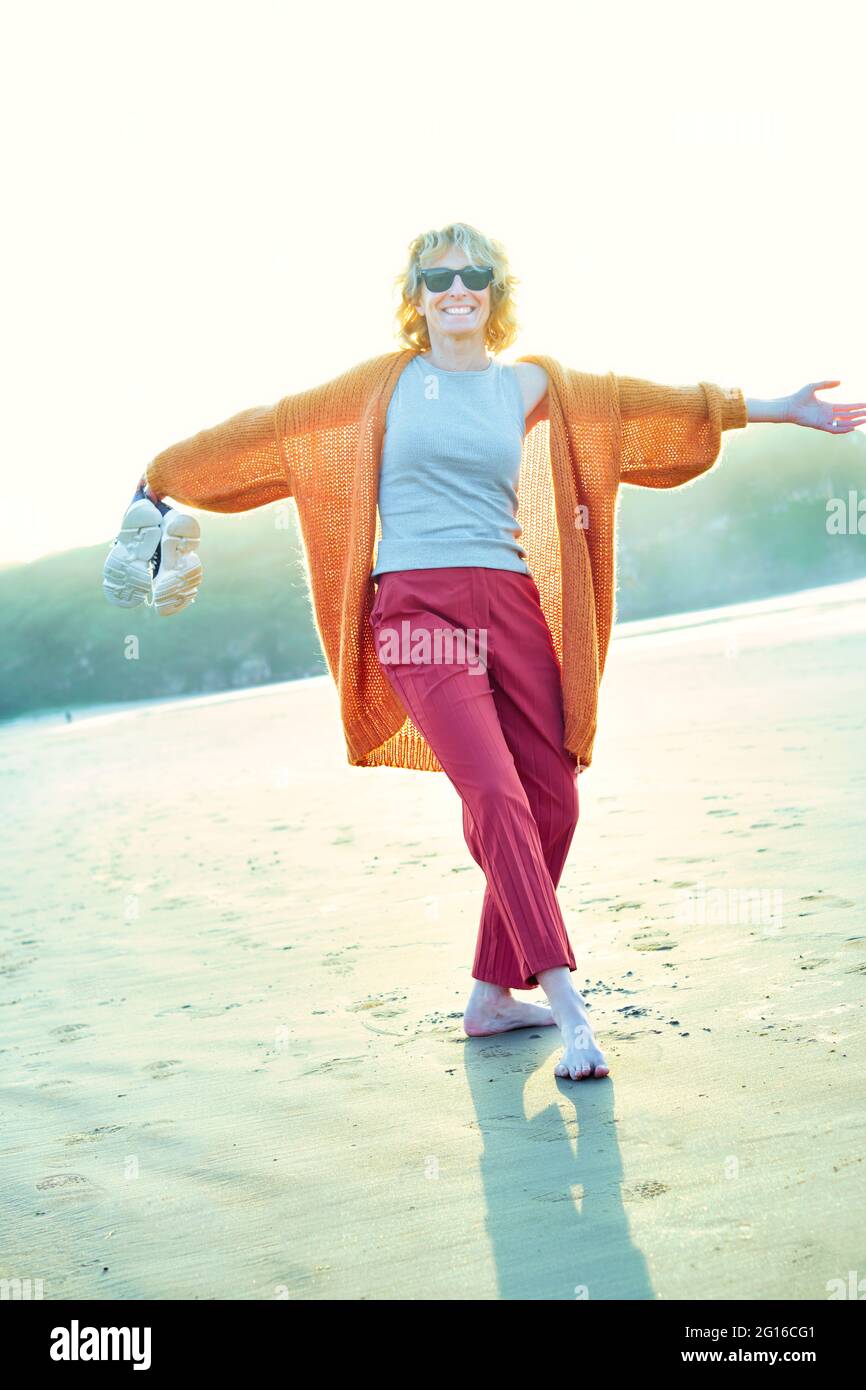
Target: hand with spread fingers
804	408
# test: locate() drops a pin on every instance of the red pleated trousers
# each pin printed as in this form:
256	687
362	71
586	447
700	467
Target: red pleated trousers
469	654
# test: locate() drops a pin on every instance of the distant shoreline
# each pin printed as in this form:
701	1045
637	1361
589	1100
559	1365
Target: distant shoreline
118	708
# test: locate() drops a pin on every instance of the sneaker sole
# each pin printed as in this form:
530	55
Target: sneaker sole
126	579
173	588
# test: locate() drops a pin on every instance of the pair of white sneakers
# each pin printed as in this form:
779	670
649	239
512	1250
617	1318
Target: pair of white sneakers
153	560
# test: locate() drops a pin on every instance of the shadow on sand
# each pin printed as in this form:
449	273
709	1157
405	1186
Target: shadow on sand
552	1182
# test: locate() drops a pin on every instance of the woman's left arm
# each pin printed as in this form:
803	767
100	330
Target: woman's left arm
804	408
666	435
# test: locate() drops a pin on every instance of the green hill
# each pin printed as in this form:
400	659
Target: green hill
64	645
754	527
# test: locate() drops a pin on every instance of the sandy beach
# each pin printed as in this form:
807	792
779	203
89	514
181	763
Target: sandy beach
234	968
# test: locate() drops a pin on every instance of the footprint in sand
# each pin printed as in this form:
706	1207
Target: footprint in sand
651	941
826	899
160	1071
386	1032
68	1032
641	1190
197	1010
334	962
336	1064
69	1186
91	1136
383	1004
15	966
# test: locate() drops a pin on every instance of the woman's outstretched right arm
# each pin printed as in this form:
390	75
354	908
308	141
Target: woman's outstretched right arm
251	459
231	467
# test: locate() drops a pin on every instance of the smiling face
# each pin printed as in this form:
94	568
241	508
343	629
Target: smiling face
456	312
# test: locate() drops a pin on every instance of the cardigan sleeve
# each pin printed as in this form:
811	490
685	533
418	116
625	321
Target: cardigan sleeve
250	459
230	467
669	434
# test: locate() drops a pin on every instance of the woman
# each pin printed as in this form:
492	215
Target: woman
472	652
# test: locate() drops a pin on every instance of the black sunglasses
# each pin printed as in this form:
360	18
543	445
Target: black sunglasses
474	278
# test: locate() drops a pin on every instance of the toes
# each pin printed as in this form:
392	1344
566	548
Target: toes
580	1071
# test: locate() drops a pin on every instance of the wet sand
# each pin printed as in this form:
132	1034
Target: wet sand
233	971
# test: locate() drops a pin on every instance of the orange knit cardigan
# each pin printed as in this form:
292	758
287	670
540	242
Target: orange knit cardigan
323	447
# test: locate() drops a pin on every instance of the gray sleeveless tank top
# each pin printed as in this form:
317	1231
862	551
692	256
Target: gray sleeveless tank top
450	469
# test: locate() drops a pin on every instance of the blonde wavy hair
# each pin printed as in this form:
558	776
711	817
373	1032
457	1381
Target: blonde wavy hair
500	331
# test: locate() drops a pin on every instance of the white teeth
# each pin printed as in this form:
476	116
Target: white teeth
458	311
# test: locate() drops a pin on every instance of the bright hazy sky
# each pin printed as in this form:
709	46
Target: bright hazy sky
206	204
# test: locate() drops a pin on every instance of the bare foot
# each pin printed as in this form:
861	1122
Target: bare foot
492	1009
582	1057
